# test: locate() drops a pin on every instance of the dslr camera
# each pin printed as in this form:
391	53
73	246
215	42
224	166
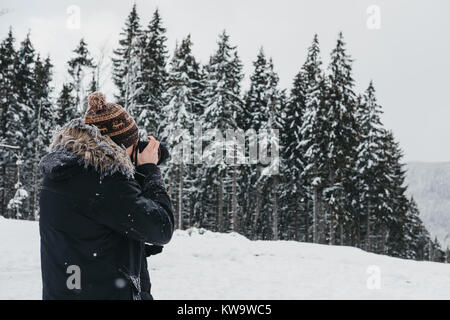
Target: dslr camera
163	152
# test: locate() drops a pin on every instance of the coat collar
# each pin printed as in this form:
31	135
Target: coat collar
83	143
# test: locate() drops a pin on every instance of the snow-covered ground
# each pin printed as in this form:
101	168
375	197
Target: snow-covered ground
229	266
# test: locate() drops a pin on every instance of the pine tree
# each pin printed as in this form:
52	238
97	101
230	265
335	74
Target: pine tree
294	195
134	84
447	255
222	96
341	144
271	173
284	180
312	131
42	123
415	233
43	76
26	106
183	97
130	36
10	118
65	105
154	76
369	163
437	250
256	97
79	66
16	205
93	85
256	104
390	222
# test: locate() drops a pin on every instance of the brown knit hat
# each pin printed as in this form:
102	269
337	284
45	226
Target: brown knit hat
112	120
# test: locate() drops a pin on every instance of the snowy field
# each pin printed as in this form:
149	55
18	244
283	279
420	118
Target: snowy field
229	266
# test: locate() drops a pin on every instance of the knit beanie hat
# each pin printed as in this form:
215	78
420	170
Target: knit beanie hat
112	120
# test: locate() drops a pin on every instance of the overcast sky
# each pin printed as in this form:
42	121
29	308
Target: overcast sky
408	57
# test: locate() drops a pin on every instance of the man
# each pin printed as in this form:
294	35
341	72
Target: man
98	212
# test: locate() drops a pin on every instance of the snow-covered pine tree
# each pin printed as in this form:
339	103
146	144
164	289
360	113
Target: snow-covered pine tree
415	233
294	195
183	97
284	191
65	105
130	36
101	72
10	120
256	97
391	219
42	124
26	106
154	76
79	67
93	85
256	104
198	171
447	255
424	254
369	164
313	143
17	204
438	255
134	84
223	104
271	173
341	146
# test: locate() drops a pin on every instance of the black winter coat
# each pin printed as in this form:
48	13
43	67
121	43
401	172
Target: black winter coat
98	215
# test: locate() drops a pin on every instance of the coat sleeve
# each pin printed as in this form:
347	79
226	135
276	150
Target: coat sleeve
138	208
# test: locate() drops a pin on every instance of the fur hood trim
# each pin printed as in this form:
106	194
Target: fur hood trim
91	148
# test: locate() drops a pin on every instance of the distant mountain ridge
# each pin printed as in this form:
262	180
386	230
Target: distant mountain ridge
429	184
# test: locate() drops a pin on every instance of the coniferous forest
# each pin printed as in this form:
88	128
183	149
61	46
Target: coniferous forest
340	178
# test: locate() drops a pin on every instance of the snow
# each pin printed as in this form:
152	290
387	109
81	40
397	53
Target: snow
228	266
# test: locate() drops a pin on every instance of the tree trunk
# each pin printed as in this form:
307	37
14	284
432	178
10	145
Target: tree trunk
358	231
180	196
332	240
383	239
341	231
307	221
3	123
430	251
17	213
4	184
315	217
34	203
331	212
234	205
368	245
321	223
258	205
220	204
275	208
257	212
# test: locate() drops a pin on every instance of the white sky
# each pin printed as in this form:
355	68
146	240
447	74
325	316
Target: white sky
408	57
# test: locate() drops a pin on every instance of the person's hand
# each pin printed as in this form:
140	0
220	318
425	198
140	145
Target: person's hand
150	153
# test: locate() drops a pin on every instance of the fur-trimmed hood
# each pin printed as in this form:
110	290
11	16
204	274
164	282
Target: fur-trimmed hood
78	143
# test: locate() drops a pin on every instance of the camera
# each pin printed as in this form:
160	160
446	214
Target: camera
163	152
